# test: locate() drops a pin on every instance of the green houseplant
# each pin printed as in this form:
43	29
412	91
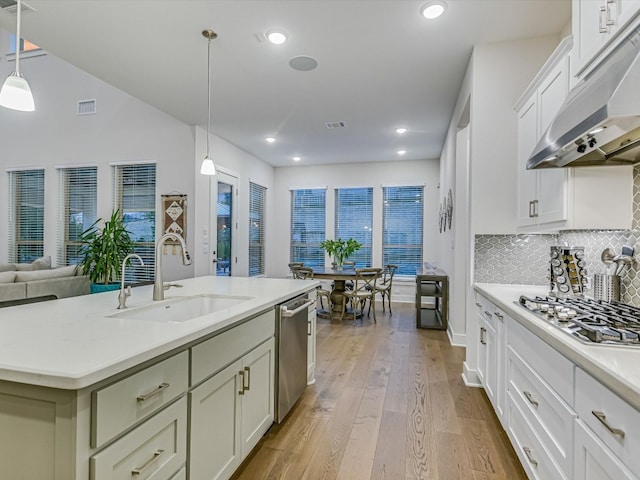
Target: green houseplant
341	249
104	249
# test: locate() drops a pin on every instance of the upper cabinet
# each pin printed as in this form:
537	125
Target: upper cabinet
555	199
598	27
542	194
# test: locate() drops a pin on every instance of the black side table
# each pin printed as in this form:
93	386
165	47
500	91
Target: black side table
432	283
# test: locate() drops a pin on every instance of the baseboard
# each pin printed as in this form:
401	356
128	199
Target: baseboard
470	377
456	339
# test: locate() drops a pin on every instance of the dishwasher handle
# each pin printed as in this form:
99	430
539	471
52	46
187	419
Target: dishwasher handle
290	313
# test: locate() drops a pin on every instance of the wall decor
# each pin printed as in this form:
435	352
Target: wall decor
441	218
449	208
174	218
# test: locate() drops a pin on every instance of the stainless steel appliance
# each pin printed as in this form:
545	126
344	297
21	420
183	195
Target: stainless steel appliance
292	320
599	122
588	320
567	272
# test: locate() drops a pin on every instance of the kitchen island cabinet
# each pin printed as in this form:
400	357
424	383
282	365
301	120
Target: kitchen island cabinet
128	411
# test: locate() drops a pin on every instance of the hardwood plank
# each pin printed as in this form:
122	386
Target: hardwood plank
453	462
390	458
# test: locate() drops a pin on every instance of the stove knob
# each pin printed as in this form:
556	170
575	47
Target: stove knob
579	255
544	307
562	316
563	288
561	279
554	254
572	313
558	308
581	263
555	262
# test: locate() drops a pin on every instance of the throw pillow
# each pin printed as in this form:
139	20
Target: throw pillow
29	276
42	263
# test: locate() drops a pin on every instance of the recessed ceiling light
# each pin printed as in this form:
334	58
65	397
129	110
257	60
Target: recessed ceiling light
296	159
401	130
270	139
277	38
401	152
433	9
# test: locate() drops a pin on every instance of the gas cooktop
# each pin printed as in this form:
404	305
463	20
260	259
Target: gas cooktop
589	320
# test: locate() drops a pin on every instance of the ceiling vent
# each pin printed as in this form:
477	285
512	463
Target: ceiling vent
335	124
86	107
9	6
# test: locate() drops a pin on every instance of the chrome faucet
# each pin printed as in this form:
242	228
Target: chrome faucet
158	285
122	297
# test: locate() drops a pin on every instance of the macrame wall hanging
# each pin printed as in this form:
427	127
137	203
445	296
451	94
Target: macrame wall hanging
174	218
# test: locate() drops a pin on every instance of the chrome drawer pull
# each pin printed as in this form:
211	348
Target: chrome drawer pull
527	452
482	332
530	398
156	455
308	328
157	390
478	305
488	314
241	373
248	370
499	315
603	420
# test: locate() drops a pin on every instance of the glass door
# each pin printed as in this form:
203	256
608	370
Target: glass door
224	224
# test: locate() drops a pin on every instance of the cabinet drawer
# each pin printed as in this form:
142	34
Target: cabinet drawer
592	396
156	449
485	309
214	354
537	461
549	415
120	405
556	369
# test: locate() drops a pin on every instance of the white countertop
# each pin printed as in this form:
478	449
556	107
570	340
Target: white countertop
616	367
71	343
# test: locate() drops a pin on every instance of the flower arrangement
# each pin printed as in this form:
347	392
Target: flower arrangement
341	249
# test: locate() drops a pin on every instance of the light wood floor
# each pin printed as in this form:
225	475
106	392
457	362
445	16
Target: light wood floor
388	403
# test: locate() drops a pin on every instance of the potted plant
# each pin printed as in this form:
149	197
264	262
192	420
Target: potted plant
103	251
341	249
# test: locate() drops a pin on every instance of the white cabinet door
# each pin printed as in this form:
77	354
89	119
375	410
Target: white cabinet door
593	460
216	446
551	184
527	139
491	365
258	368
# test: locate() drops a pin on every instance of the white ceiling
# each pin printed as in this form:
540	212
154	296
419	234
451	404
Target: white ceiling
381	65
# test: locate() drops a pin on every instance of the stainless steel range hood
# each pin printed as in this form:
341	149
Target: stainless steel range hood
599	123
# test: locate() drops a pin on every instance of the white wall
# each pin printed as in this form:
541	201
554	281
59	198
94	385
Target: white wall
355	175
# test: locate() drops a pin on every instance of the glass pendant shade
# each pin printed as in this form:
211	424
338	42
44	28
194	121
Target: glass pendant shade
207	167
16	94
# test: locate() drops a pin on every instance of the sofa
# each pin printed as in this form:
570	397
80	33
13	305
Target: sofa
26	282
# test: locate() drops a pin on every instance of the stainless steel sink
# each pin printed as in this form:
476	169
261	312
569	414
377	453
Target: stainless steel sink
181	309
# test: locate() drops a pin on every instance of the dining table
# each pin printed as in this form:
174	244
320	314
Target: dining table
340	276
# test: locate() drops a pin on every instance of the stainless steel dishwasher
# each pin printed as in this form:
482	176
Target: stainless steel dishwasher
291	372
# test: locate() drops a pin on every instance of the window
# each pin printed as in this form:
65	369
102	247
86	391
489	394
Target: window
402	228
26	215
354	217
135	197
257	199
308	226
25	45
78	193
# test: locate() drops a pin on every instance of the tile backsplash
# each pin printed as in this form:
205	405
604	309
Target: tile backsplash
524	259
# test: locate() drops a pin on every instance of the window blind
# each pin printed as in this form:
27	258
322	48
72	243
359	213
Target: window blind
354	218
257	200
307	226
402	226
135	198
26	215
78	207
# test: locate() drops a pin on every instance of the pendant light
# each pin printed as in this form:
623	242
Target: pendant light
208	167
16	93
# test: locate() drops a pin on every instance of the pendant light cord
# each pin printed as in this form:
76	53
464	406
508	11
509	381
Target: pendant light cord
208	93
18	39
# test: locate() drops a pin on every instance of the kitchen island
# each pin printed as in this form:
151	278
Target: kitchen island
571	409
91	392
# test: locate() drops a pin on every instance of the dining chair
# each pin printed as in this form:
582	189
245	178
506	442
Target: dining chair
364	288
385	285
304	273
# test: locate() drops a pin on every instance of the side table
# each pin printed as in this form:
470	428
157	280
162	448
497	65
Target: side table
434	284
